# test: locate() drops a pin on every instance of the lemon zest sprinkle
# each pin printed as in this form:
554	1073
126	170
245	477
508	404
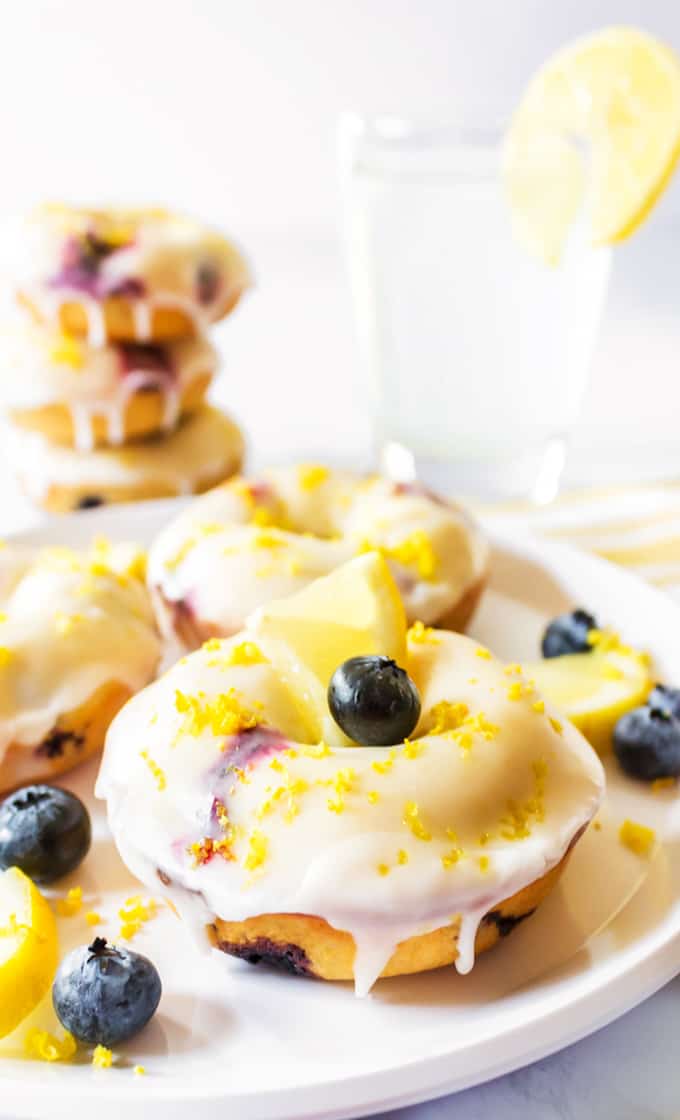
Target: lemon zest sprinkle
223	715
311	475
134	913
258	848
637	837
72	904
47	1047
93	918
157	771
420	634
413	821
102	1057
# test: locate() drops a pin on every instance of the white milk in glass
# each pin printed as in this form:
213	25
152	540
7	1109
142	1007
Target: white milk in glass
477	354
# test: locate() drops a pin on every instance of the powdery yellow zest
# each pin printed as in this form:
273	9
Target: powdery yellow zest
483	653
258	849
223	715
521	816
245	653
420	634
46	1047
157	771
413	821
316	750
102	1058
93	918
637	837
414	551
311	476
6	656
72	904
133	915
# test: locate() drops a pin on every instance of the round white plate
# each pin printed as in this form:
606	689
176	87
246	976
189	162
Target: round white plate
230	1039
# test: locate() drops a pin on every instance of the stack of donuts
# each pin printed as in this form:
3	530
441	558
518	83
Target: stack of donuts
107	365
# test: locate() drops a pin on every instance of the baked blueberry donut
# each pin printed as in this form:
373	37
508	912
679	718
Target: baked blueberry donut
231	784
132	275
77	639
253	540
82	396
205	448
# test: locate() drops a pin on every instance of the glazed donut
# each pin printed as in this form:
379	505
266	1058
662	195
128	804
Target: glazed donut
77	639
345	861
78	395
131	275
254	540
205	448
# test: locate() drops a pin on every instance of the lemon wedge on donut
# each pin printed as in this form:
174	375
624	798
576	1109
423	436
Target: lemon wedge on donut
594	689
28	948
597	131
355	610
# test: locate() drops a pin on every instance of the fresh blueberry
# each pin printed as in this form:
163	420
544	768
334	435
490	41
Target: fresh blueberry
45	831
374	701
568	633
665	699
103	994
647	743
90	501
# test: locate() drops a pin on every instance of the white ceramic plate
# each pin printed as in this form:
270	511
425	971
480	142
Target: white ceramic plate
232	1040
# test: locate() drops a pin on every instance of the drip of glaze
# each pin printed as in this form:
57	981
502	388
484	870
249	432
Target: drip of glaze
50	301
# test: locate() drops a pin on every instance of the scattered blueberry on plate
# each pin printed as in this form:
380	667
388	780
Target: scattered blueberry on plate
373	700
104	994
647	739
568	633
45	831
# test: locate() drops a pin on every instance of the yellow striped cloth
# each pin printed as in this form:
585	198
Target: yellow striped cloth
637	526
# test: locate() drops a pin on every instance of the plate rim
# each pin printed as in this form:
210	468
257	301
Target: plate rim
624	979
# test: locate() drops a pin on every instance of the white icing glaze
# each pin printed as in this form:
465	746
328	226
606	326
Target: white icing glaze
205	444
44	367
223	565
160	250
494	811
71	622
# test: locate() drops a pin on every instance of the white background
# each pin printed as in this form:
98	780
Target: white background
228	109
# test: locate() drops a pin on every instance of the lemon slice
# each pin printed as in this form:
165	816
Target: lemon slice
598	128
354	610
594	689
28	948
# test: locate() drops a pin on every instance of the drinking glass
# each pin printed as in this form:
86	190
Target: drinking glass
476	354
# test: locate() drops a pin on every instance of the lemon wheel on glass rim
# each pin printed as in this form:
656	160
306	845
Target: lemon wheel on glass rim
596	134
